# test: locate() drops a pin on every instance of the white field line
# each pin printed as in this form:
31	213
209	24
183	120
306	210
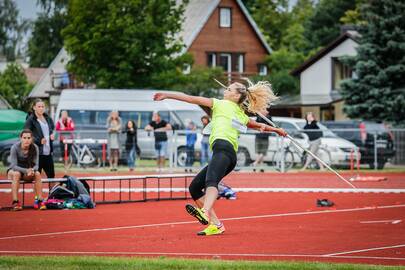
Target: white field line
364	250
393	221
192	254
306	190
190	222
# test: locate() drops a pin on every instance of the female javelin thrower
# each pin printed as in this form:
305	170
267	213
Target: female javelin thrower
228	120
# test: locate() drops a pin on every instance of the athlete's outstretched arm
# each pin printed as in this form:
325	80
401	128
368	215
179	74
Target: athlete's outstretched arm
265	128
203	101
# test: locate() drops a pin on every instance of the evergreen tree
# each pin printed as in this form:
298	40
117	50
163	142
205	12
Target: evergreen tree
46	40
378	90
12	29
14	86
324	25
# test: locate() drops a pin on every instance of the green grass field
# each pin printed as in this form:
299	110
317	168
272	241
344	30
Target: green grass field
62	263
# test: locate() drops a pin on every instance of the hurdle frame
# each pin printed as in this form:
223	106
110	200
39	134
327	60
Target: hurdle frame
145	180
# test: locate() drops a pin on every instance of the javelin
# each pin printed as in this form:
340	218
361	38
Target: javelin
299	145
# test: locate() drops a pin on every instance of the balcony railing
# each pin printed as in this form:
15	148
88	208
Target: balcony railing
64	80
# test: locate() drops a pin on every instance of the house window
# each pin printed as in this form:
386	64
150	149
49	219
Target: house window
230	62
225	61
340	72
262	69
211	59
225	17
240	63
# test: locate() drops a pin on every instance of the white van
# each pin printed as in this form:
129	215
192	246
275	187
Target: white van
89	108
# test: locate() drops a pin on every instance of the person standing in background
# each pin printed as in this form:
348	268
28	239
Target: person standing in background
65	126
261	142
131	144
42	128
206	152
314	133
114	129
191	138
159	128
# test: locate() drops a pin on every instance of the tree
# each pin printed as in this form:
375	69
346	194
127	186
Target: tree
46	40
271	17
291	50
353	16
11	29
123	44
14	86
377	92
324	26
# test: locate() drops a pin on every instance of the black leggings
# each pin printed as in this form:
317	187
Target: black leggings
222	163
46	164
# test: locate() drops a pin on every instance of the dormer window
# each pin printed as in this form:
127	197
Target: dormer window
340	72
225	17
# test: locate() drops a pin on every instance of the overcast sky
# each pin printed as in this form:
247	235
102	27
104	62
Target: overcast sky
28	9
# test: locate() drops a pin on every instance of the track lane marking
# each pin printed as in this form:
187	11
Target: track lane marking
251	189
191	222
392	221
364	250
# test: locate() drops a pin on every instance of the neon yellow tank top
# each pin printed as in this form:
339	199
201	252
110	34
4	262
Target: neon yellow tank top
228	120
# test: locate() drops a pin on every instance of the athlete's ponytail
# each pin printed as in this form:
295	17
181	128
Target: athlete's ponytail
259	96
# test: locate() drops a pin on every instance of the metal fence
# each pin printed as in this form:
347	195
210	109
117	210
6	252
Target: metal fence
340	148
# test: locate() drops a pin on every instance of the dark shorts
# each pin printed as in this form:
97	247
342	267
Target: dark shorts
261	145
24	177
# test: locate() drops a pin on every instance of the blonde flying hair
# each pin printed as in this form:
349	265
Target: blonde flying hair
257	97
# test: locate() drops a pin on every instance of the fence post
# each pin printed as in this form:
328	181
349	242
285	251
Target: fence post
103	153
282	156
175	148
375	151
171	152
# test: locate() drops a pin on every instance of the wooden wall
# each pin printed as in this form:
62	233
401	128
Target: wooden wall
240	38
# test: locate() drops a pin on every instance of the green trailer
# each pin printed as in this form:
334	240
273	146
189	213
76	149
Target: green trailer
11	123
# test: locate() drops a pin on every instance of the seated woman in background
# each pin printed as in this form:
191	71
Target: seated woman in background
24	161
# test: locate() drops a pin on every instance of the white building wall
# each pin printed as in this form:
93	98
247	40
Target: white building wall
317	79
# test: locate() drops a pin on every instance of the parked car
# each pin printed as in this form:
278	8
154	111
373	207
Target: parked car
335	151
361	133
247	152
5	147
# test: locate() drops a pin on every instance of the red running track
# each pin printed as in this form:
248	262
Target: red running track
259	226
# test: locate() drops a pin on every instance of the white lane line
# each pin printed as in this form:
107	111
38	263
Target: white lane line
193	254
252	189
364	250
394	221
190	222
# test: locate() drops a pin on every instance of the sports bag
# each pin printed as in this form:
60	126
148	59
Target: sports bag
61	192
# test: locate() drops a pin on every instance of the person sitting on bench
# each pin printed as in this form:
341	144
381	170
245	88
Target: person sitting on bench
24	159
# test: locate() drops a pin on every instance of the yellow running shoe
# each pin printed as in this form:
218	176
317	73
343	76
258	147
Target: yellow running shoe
212	229
198	213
